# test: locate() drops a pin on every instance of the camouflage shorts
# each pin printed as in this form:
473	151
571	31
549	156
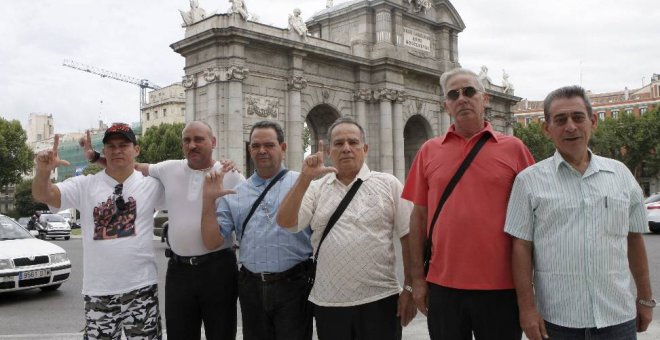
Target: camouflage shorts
135	312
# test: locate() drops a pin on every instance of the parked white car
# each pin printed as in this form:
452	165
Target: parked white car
27	262
652	204
53	226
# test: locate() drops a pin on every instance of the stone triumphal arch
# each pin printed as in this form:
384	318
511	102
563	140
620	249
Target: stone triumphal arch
379	61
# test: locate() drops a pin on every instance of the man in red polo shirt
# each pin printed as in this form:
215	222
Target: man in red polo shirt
469	288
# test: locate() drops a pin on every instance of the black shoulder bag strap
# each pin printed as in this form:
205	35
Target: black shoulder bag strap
428	245
261	198
337	214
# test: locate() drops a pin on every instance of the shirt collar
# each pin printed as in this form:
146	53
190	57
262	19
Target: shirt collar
363	174
258	181
596	164
488	128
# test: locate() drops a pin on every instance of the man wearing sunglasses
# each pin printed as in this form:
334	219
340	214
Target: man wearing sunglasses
469	287
116	207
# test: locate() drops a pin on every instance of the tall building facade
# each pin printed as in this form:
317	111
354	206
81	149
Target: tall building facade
40	127
167	105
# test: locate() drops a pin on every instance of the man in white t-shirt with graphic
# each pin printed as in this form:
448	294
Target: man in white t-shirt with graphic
116	207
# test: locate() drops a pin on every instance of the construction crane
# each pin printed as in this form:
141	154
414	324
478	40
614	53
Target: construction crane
144	84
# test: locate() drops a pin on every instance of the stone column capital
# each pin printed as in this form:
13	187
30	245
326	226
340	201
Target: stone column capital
401	96
237	73
212	74
296	83
385	94
364	95
189	81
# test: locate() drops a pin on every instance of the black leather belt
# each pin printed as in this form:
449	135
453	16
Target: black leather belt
195	260
272	277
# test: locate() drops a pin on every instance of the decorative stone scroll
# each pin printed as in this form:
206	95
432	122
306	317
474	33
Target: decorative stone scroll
401	96
385	94
296	83
363	95
212	74
189	81
237	72
264	107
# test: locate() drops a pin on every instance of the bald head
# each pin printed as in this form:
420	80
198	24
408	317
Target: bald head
198	124
198	143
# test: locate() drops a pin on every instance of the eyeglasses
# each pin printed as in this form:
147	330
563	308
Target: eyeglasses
468	91
119	199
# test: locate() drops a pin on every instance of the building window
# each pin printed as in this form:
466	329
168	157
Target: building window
542	119
148	115
164	112
642	110
615	114
183	111
601	115
528	120
628	110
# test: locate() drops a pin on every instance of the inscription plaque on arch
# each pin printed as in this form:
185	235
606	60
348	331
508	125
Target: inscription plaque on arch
416	39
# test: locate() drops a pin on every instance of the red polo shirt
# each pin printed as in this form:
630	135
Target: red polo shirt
470	248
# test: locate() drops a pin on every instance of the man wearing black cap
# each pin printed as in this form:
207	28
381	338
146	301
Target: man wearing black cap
116	207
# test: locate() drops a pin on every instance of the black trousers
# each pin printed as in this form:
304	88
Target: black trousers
455	314
276	310
205	292
371	321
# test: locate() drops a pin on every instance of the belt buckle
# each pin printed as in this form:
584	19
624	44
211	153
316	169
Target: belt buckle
264	276
193	261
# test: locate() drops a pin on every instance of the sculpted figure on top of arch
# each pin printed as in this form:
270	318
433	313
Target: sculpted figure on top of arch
506	84
297	24
483	76
238	6
194	15
420	5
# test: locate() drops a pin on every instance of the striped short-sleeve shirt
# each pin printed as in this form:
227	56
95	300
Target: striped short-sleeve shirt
579	224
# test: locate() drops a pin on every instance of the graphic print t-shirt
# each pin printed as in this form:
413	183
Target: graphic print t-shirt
117	245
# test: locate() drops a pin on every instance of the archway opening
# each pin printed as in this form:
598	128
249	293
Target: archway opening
415	133
318	121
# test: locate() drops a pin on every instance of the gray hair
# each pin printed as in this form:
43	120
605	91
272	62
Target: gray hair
444	79
198	122
565	92
268	124
346	120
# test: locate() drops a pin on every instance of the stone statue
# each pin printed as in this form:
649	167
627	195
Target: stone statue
328	4
508	87
483	76
420	5
296	23
238	6
194	15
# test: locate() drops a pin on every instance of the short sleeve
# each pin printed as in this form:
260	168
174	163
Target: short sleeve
520	214
416	187
402	207
637	215
70	192
232	179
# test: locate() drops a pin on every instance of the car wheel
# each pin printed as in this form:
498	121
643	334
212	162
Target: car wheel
50	288
67	237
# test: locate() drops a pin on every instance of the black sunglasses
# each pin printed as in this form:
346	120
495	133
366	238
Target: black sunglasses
119	199
467	91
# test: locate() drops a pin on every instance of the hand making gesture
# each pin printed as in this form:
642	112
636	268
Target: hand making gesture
91	155
314	166
213	186
48	160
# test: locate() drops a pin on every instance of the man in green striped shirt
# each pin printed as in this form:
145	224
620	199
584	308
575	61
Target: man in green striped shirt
577	220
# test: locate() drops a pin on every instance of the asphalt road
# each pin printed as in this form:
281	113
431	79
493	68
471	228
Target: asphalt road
58	315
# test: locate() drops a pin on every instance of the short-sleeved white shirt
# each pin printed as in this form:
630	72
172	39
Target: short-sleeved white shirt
183	197
117	245
356	263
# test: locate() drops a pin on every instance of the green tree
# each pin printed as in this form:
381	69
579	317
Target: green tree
160	143
306	136
25	205
635	141
15	155
92	169
532	135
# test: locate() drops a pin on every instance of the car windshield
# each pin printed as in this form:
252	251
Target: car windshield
53	218
653	198
10	230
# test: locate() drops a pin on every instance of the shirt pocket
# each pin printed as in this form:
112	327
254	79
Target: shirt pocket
617	216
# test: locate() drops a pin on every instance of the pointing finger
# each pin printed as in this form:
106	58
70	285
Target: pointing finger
321	151
56	143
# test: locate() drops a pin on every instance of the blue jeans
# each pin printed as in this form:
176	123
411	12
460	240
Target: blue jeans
624	331
276	310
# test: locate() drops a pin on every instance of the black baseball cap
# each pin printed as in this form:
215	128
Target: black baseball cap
119	129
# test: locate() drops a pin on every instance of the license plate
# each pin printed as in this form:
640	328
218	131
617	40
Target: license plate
34	274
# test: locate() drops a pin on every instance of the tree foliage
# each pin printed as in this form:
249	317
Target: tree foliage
161	143
635	141
16	158
25	205
307	137
92	169
538	144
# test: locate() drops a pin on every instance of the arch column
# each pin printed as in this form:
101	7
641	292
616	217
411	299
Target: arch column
234	123
189	82
294	124
397	137
385	97
361	97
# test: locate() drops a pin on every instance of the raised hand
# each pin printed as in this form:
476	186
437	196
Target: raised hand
314	166
48	160
213	186
230	165
90	154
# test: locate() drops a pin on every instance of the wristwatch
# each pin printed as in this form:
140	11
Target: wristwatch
408	288
96	157
647	303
